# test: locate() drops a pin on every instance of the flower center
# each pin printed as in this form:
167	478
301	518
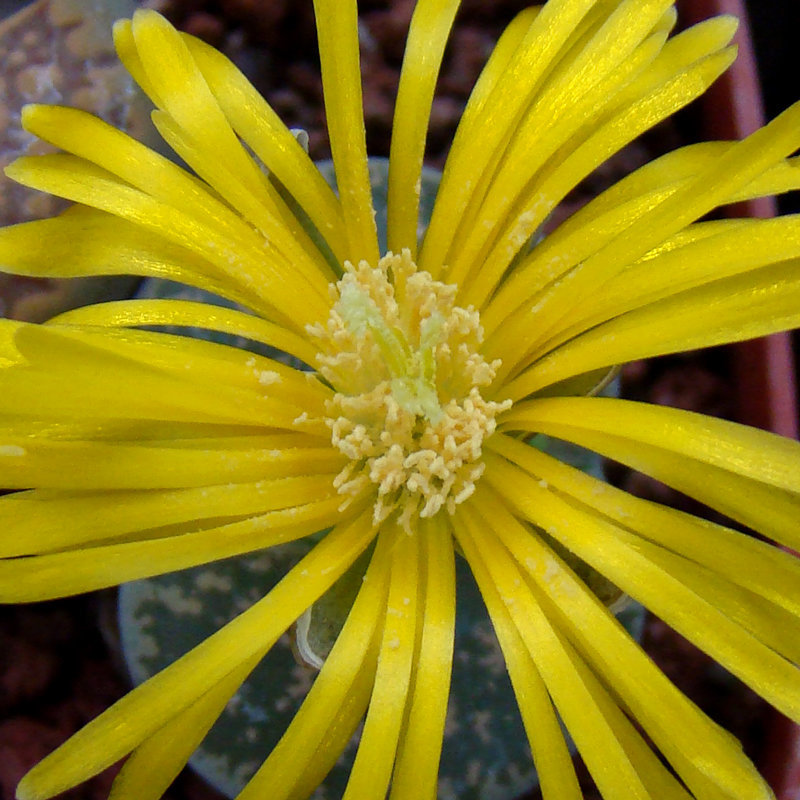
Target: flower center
408	410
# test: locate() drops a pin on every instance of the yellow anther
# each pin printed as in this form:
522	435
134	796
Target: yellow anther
406	366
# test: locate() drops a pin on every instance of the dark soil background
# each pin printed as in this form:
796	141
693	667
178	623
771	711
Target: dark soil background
56	669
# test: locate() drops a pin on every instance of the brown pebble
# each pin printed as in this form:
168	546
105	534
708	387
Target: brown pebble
635	371
96	687
467	52
691	387
388	30
680	660
23	742
206	27
264	17
26	670
306	80
445	114
640	485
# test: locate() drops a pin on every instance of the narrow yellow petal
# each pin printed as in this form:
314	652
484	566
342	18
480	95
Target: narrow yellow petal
195	360
574	690
161	61
497	117
653	104
617	107
241	259
783	177
742	486
618	555
740	449
337	33
337	700
138	389
184	313
149	707
576	93
513	227
417	767
711	251
23	580
741	558
275	145
550	753
372	769
128	54
612	212
770	511
164	433
10	355
83	241
770	624
94	140
179	88
427	36
153	766
731	309
37	522
495	69
610	652
726	175
284	239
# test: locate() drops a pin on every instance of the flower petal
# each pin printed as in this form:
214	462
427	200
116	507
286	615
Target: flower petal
150	706
769	623
93	140
83	241
740	558
38	521
614	656
730	173
610	213
194	360
583	130
761	301
152	379
576	93
23	580
711	252
469	125
322	727
739	448
184	313
284	236
427	36
372	769
621	765
178	87
613	130
496	118
153	766
417	766
262	130
550	753
337	33
242	259
196	126
624	560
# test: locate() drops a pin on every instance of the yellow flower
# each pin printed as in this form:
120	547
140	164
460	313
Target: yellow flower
142	452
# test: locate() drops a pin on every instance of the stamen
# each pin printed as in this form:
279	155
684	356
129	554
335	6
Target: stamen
408	412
